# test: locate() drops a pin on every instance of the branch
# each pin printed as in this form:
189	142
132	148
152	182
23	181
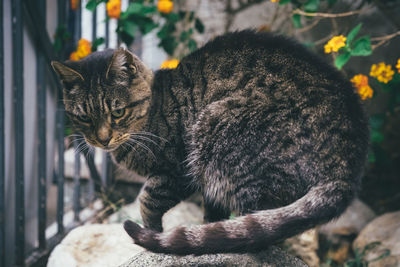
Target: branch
328	15
384	39
309	26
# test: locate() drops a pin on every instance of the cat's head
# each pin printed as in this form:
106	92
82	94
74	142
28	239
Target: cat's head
106	95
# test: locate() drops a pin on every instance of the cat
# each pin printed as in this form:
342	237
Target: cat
254	121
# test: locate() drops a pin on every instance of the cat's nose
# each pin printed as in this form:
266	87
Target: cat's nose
105	141
104	136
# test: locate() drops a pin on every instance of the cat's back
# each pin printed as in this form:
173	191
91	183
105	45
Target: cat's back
271	67
249	51
274	88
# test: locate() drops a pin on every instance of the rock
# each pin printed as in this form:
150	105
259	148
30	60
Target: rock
338	235
340	253
273	256
96	245
386	230
185	213
356	216
304	246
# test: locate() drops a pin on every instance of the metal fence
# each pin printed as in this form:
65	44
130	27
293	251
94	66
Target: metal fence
32	16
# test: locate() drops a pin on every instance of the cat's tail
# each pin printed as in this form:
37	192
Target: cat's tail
251	232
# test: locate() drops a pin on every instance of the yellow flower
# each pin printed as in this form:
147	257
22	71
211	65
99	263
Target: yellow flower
165	6
334	44
398	65
74	56
84	48
274	1
365	92
382	72
114	8
363	89
170	64
74	4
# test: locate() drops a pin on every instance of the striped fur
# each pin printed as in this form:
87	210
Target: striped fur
255	122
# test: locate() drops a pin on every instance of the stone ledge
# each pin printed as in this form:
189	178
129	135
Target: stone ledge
273	256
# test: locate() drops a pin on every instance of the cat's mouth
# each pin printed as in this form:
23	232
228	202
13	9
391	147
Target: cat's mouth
107	148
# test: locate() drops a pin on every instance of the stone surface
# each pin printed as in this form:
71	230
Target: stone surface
273	256
96	245
386	230
351	222
185	213
304	246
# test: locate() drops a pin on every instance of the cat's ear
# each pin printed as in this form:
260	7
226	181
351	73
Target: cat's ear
122	61
66	74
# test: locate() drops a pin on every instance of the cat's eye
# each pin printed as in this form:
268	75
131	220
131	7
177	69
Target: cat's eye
118	113
84	118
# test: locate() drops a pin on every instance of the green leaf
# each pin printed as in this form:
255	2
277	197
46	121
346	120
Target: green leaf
309	44
199	25
376	121
331	2
192	45
376	136
169	44
173	17
92	4
362	47
371	157
184	36
342	59
284	2
61	38
166	30
148	27
130	27
96	43
296	19
145	24
353	33
191	16
134	8
149	10
311	5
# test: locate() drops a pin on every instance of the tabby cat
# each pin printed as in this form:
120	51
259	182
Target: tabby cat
255	122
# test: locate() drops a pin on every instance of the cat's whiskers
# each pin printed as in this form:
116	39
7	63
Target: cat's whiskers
145	139
151	134
142	146
79	148
129	146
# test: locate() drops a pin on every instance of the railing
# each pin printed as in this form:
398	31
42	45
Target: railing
32	14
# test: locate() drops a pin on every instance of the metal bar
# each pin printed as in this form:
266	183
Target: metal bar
107	34
94	24
77	171
77	162
60	137
2	147
41	109
105	162
37	25
90	155
43	43
18	101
